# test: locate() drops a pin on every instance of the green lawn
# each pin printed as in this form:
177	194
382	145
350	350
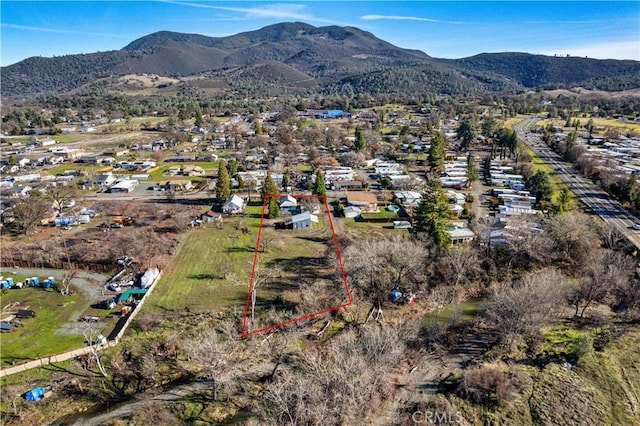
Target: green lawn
158	175
37	338
540	165
72	137
75	166
194	281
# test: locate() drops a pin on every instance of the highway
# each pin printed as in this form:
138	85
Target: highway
595	200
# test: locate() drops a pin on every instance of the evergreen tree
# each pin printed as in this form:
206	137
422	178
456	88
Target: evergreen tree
270	188
232	166
319	187
223	185
360	142
590	126
285	180
472	169
467	134
541	185
432	215
437	152
568	122
273	208
490	127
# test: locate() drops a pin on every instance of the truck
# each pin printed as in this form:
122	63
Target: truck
124	220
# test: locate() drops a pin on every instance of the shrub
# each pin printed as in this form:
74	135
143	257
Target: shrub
487	385
582	345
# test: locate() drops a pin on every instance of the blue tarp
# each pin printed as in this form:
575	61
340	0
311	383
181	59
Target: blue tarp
35	394
394	295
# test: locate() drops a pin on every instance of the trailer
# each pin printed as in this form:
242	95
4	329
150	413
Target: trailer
32	282
49	282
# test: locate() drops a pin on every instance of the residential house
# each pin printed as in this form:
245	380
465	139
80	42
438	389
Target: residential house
192	170
288	202
351	212
210	216
126	185
233	205
347	185
115	152
366	201
409	198
177	185
104	179
54	160
301	220
460	235
18	190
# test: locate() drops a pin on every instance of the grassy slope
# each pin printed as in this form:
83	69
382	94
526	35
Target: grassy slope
193	279
602	388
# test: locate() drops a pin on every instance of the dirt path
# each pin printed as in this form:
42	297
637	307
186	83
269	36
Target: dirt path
90	284
179	392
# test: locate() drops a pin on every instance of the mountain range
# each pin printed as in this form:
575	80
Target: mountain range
297	57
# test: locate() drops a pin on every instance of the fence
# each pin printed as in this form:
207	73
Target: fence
19	263
82	351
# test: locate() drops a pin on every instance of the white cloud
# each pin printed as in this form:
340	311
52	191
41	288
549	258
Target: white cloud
406	18
276	11
605	50
59	31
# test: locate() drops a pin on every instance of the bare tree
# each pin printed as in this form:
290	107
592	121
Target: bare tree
170	195
574	236
377	265
65	282
612	237
336	386
261	276
61	196
28	214
214	355
527	244
520	308
459	263
92	336
603	272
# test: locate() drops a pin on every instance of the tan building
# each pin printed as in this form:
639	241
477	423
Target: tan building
365	201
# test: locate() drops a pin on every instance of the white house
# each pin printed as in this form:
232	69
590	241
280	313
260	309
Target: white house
233	205
288	201
351	212
105	179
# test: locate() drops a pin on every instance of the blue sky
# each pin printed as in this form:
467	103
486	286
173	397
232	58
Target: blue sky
451	29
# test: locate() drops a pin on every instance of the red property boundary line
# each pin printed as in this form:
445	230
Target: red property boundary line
244	331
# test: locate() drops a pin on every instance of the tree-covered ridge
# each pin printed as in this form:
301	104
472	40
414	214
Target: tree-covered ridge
540	70
303	58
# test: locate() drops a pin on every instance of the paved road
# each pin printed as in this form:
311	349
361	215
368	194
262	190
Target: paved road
595	200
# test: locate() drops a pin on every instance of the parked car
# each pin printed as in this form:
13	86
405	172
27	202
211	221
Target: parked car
107	304
636	226
125	261
116	225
